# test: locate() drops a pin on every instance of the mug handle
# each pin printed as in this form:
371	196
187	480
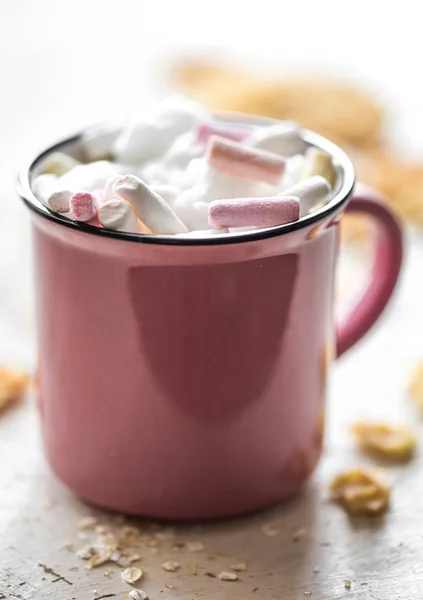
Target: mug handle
384	274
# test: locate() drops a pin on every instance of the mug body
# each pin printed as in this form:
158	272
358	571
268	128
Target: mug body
183	379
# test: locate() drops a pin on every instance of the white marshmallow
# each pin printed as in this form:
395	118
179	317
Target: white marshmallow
203	233
59	163
193	212
90	177
281	138
310	192
98	142
183	150
154	173
243	229
169	193
118	215
43	186
59	201
293	171
150	208
147	138
109	192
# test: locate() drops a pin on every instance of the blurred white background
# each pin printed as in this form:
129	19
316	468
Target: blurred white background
64	65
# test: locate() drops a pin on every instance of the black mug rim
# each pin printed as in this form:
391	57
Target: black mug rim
310	138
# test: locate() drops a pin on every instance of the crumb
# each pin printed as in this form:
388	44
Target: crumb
227	576
360	491
101	530
238	567
195	546
347	584
86	523
270	529
390	441
415	387
165	536
12	386
86	553
66	545
134	557
298	534
169	586
171	566
131	574
307	593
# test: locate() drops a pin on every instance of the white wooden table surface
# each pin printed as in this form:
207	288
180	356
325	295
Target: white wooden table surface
65	65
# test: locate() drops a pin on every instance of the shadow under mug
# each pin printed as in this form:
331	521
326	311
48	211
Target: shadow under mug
184	378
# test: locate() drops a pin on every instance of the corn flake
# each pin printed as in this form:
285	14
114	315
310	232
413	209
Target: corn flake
394	442
362	492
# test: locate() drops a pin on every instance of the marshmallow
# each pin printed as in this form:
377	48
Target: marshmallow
281	138
100	196
150	208
154	173
109	191
262	212
58	202
98	142
59	163
183	150
245	162
43	186
317	162
293	171
237	133
310	192
82	206
201	233
169	193
147	138
90	177
118	215
193	212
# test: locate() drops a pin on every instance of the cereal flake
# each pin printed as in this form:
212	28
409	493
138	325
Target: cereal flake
131	574
360	491
170	566
138	595
390	441
12	386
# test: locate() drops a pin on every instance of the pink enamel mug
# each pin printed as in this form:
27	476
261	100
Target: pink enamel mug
186	378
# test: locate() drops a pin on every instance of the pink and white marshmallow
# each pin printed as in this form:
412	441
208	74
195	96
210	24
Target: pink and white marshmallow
245	162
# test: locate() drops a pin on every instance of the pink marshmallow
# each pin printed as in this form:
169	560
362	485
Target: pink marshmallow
206	130
244	161
258	212
82	206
